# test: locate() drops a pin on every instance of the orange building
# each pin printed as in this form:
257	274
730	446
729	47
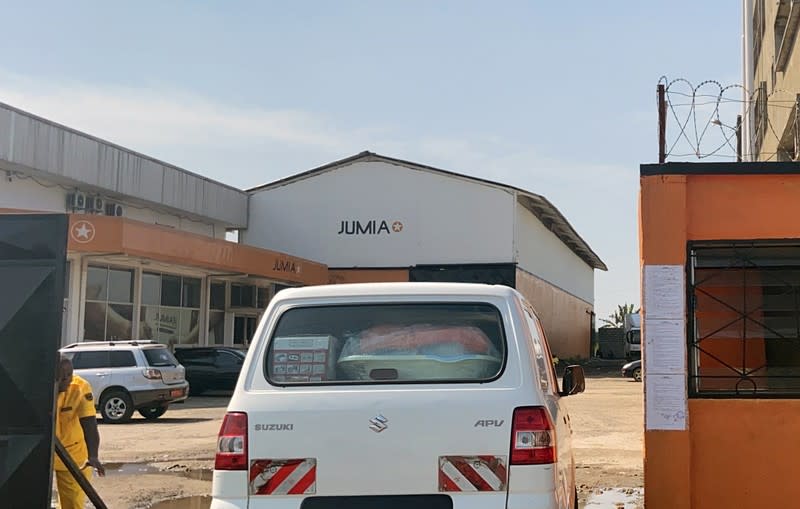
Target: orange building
720	254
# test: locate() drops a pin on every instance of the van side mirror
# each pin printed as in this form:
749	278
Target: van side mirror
574	381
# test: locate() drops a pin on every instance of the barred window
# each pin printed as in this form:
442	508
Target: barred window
744	319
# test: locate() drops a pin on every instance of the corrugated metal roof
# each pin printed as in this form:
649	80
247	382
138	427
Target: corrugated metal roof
538	205
33	144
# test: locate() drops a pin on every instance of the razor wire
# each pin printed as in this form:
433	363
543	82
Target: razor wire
701	119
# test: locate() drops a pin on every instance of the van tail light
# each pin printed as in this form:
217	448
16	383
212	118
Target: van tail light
152	374
533	438
232	443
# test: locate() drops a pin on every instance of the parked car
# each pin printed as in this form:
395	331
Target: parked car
398	395
211	367
129	375
633	370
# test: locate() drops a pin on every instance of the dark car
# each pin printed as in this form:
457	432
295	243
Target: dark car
633	370
211	367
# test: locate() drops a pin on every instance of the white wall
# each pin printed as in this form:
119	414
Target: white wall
43	196
543	254
445	219
27	194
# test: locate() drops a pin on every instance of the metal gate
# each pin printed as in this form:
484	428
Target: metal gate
32	260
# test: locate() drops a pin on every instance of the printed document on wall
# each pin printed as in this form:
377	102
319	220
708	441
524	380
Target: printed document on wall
665	402
664	291
665	346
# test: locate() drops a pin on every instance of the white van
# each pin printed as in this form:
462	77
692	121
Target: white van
398	395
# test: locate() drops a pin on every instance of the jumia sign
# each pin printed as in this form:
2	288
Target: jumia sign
370	227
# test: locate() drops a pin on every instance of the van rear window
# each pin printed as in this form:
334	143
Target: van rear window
387	343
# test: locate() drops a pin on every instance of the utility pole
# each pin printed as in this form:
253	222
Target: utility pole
662	124
738	138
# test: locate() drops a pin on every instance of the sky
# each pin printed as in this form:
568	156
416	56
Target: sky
554	97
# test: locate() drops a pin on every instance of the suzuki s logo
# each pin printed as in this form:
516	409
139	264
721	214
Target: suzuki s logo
489	423
378	423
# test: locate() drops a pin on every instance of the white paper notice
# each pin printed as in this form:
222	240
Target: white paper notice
665	402
664	291
665	346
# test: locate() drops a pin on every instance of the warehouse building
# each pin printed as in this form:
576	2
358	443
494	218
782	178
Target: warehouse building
149	255
375	218
147	251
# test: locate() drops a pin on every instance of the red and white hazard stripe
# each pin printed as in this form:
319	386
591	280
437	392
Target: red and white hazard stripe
472	473
283	477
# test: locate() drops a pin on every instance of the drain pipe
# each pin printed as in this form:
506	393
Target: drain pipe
748	78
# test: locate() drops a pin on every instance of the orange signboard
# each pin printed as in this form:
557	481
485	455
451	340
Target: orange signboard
114	235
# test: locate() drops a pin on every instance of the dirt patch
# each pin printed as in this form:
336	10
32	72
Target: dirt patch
142	491
608	436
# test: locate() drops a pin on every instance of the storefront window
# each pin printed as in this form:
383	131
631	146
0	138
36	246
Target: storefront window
243	329
108	312
170	311
151	289
263	298
216	315
243	296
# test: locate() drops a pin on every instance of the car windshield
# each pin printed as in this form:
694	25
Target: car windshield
159	357
385	343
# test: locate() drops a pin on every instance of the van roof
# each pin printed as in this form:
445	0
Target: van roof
395	289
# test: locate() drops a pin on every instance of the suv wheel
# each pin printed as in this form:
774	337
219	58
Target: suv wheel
116	407
152	412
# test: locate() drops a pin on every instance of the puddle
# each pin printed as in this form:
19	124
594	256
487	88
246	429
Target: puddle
616	498
130	469
184	503
144	468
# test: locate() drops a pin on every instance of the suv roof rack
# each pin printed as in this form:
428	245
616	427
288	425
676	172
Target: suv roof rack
135	342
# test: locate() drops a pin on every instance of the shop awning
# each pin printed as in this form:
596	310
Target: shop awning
121	236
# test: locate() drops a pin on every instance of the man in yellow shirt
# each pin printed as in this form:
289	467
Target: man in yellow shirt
76	428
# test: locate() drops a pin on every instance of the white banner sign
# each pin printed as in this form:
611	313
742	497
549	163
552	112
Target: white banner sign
665	402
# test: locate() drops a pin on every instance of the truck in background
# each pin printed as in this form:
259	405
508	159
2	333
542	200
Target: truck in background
632	327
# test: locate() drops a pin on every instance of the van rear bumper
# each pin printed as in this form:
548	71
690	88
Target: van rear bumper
530	489
465	501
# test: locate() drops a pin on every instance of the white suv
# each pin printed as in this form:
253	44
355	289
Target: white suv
403	395
129	375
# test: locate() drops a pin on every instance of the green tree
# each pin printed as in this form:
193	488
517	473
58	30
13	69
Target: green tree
617	319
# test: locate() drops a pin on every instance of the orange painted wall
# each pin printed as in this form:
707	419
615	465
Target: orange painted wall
736	453
744	453
743	207
662	214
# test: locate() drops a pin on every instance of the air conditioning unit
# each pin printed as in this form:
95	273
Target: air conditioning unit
114	209
76	201
96	204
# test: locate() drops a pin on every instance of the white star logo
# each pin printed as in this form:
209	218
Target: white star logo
83	232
